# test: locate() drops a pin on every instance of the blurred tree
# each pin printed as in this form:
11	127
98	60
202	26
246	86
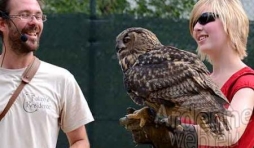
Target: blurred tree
163	8
107	7
138	8
66	6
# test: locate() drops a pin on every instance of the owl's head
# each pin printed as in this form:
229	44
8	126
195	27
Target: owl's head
133	42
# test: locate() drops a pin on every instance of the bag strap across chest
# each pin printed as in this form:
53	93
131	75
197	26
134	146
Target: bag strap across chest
26	78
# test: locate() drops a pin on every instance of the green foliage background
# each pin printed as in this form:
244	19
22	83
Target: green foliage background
138	8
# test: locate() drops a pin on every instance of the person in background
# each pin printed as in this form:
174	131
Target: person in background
53	98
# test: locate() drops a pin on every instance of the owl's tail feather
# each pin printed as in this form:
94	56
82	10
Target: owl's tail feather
225	122
214	123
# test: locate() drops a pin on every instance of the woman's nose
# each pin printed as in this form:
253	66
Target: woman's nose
197	27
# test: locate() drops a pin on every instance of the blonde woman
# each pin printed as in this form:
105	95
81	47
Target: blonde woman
220	29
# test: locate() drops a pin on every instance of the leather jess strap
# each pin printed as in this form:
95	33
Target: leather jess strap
26	78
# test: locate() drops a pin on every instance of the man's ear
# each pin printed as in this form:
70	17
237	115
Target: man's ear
2	24
3	17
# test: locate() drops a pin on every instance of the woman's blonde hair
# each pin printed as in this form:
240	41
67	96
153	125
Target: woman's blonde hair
234	20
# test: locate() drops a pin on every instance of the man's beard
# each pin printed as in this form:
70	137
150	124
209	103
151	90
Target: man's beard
17	45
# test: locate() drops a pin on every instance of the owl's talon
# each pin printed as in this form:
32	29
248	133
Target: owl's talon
141	114
142	122
179	127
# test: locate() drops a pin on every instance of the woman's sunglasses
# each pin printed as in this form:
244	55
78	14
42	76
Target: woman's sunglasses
206	17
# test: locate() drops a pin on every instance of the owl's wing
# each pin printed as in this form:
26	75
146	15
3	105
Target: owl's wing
175	77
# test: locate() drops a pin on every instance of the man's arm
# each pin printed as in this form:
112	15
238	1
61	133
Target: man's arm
78	138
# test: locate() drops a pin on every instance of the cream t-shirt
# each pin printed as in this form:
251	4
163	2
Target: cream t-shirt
52	100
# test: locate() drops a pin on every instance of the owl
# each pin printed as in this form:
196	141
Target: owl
172	82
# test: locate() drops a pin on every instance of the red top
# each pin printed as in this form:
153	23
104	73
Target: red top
243	78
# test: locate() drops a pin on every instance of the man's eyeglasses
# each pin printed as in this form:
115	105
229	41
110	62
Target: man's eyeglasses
206	17
28	16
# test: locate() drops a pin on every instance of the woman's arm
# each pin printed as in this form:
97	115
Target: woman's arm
242	107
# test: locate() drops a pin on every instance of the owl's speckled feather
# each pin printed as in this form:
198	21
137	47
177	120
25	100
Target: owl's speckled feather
158	74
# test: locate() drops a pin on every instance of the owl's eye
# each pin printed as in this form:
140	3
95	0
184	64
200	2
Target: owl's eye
126	39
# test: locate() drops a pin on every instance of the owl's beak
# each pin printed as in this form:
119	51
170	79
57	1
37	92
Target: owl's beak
120	46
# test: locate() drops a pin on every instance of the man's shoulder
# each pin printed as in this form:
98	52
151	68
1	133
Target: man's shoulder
53	70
